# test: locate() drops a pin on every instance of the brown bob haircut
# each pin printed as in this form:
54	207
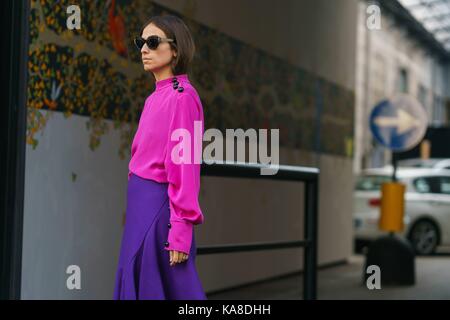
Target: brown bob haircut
176	29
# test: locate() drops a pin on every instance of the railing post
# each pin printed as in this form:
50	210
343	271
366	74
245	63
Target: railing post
310	177
310	251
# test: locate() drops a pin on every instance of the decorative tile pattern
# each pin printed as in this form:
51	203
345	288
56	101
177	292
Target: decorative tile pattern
97	72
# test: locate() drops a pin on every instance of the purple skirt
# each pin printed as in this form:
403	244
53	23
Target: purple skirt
144	272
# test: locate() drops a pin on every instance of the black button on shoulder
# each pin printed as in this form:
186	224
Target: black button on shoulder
166	244
176	85
169	225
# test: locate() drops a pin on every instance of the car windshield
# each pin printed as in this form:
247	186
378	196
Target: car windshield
371	182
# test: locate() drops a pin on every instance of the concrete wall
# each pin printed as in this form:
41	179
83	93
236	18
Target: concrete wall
74	203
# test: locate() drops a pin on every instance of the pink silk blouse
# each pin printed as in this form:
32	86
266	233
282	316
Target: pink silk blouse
154	153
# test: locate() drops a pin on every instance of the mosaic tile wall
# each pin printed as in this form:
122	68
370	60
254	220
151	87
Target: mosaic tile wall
96	72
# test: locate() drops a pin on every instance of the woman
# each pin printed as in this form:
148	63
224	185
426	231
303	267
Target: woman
157	256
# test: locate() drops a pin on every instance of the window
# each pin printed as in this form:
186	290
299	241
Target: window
427	185
422	185
447	110
378	79
371	183
438	110
422	96
445	185
403	81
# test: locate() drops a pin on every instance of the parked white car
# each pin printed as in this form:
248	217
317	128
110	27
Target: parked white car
435	163
427	206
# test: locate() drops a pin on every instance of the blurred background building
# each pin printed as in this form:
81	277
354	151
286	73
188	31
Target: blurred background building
409	54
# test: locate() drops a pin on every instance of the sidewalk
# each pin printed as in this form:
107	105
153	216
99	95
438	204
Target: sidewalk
345	283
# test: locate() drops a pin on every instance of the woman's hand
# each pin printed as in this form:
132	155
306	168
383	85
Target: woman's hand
177	257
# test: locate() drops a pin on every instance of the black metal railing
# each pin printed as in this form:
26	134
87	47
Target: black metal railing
310	176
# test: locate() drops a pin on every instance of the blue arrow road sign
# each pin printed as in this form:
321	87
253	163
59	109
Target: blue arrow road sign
399	123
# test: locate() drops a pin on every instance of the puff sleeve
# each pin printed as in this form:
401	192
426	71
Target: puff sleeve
183	173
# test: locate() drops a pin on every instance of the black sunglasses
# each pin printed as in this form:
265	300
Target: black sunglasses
152	42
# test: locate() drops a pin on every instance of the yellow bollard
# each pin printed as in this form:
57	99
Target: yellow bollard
392	206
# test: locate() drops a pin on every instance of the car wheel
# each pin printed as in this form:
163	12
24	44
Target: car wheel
424	237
